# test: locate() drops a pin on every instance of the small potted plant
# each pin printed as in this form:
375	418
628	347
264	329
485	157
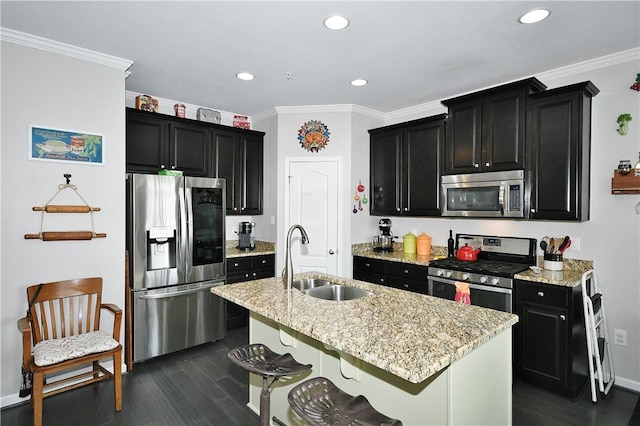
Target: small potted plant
623	123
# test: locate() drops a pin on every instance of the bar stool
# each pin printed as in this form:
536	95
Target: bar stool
259	359
320	402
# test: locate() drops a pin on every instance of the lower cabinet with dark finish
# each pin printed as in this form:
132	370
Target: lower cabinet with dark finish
550	348
246	268
404	276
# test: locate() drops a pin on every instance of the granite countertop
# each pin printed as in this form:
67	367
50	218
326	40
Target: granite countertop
570	276
410	335
262	247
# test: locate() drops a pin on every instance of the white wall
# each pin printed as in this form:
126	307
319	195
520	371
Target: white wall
338	121
57	91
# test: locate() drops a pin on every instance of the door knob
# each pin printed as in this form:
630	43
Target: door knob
331	252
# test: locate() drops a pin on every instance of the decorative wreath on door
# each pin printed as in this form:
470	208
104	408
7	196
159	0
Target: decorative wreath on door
313	135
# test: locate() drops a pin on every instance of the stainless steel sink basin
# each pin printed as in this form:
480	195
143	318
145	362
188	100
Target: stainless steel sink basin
337	292
305	284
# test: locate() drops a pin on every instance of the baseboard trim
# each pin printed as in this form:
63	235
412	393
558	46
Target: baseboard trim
631	385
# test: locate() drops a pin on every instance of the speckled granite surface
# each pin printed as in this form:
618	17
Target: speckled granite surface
570	276
262	247
410	335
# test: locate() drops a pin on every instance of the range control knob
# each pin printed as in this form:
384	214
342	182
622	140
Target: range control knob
465	276
495	281
439	272
448	274
483	279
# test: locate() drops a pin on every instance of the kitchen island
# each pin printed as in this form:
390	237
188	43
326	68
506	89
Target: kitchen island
417	358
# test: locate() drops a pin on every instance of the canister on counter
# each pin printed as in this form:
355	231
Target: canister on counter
409	243
423	242
553	262
180	110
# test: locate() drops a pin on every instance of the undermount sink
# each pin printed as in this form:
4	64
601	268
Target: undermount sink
305	284
337	292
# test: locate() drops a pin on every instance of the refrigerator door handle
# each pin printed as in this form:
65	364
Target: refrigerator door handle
176	293
185	228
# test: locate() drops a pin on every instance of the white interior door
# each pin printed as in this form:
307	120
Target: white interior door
313	203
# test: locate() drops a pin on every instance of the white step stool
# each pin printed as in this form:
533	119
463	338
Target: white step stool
595	321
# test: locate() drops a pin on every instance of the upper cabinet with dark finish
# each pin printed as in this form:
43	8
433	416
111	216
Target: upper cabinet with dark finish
197	148
155	142
559	147
238	158
486	129
405	166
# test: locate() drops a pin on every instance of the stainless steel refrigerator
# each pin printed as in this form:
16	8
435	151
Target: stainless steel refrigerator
176	243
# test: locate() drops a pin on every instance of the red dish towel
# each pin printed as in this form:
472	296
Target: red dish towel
463	294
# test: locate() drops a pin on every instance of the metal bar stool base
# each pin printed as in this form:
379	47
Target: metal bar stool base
259	359
320	402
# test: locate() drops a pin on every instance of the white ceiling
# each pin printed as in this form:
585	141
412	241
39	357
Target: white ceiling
411	52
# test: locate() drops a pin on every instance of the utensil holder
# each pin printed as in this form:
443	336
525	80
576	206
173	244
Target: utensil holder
553	262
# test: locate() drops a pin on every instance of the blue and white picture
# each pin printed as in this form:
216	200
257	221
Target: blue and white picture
63	145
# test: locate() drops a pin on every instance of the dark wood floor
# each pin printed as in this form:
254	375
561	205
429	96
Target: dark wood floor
200	386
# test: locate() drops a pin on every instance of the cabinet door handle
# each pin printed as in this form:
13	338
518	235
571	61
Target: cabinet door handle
541	293
476	165
406	271
331	252
562	317
368	265
487	164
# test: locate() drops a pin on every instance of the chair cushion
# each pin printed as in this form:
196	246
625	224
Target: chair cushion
53	351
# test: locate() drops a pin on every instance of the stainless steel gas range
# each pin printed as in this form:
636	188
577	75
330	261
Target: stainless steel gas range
490	276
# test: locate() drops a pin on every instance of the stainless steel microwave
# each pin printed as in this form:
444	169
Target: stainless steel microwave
490	194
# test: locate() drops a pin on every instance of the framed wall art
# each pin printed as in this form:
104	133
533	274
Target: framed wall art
47	144
313	135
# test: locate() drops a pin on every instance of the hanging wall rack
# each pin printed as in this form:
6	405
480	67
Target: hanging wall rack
56	208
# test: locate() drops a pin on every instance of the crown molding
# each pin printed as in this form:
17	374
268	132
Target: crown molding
337	108
41	43
592	64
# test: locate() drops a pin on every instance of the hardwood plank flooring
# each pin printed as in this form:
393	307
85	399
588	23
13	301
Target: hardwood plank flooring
200	386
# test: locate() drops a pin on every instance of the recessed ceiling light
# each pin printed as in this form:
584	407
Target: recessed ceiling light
359	82
245	76
336	22
534	16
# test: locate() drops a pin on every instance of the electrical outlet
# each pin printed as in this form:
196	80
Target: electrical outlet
620	337
575	244
273	220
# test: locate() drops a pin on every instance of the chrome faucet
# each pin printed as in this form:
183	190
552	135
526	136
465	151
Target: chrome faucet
287	272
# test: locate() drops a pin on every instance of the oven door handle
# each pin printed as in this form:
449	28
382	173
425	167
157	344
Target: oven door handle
474	286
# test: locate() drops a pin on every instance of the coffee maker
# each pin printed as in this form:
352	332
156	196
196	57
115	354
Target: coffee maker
246	240
384	241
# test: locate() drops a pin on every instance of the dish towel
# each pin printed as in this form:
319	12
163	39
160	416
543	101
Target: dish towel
463	294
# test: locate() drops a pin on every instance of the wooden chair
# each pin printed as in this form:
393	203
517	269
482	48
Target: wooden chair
61	332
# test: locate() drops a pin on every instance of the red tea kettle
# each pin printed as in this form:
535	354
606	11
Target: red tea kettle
467	253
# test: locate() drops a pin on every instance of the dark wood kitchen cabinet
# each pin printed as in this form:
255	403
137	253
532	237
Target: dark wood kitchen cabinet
405	166
155	141
238	157
559	147
246	268
550	348
404	276
486	129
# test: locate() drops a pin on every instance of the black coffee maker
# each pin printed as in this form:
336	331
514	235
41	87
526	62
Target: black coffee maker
246	240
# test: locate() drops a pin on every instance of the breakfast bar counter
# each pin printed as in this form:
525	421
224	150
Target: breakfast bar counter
417	358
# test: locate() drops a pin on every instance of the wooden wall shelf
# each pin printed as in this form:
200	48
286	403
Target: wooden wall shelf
627	184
